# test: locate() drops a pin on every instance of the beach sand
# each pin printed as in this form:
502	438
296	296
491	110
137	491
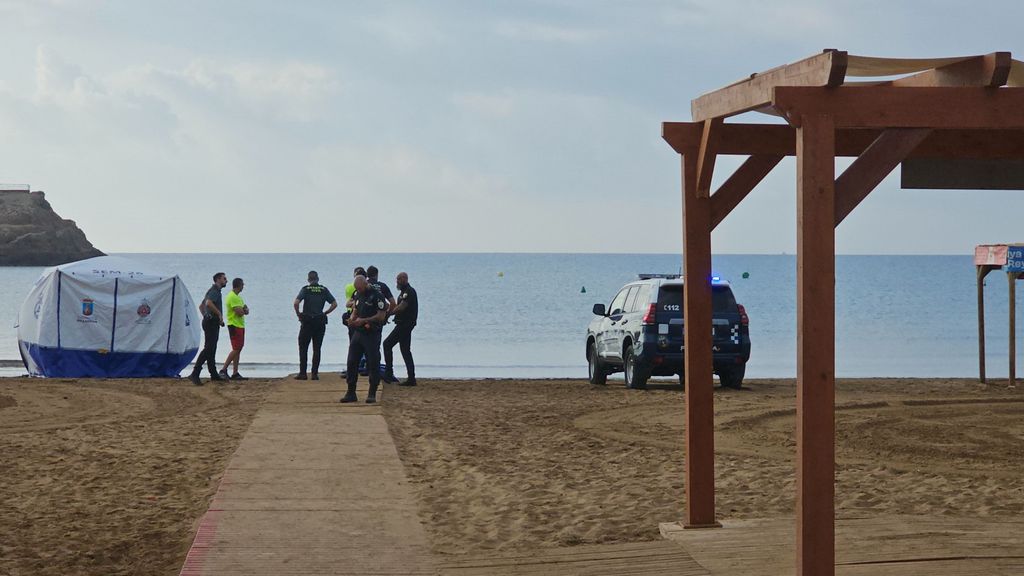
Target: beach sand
110	477
507	465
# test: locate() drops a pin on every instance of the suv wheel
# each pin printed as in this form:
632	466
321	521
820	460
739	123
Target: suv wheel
636	376
732	376
597	372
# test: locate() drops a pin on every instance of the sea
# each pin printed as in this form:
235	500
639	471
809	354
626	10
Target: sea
509	315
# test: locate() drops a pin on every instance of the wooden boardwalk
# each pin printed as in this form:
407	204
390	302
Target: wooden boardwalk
633	559
878	546
315	488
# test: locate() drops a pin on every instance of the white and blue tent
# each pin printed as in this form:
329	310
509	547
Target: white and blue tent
107	317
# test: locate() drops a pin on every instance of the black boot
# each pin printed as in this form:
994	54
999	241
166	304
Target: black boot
372	397
350	396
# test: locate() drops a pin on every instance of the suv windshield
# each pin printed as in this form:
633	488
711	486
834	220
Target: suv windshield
670	298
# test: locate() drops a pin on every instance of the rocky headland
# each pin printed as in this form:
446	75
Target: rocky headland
32	234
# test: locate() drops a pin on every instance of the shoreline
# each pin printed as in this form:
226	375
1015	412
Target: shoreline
659	382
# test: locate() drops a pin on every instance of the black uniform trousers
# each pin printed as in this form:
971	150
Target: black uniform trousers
401	335
368	344
211	333
313	329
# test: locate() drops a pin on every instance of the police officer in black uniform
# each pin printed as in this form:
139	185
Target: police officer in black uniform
313	321
406	313
371	277
369	312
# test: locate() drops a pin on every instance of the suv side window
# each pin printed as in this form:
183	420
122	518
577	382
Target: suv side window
642	297
631	300
618	303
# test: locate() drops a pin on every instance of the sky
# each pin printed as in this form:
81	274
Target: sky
442	126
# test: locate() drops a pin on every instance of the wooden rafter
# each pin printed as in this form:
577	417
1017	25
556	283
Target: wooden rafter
735	189
706	159
896	107
868	171
825	69
990	70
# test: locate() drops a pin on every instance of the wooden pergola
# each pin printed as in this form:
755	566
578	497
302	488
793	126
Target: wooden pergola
951	123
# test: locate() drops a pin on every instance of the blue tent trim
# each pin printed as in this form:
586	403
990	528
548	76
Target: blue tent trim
68	363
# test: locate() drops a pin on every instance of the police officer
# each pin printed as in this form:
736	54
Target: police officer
369	312
313	321
405	320
371	277
350	290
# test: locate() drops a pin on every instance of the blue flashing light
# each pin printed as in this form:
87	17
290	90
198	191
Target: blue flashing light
716	278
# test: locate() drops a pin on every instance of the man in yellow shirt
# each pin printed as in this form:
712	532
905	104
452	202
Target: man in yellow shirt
237	311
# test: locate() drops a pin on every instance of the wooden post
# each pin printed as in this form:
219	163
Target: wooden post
815	411
700	415
1012	277
982	271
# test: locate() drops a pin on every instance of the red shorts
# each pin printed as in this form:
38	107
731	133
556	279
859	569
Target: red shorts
237	337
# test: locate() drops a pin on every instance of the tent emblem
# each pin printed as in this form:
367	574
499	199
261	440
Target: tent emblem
143	311
87	306
39	306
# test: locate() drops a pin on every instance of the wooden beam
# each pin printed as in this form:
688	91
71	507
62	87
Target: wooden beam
868	171
990	70
1012	277
825	69
962	174
706	159
735	189
780	139
697	359
815	311
982	271
888	107
980	144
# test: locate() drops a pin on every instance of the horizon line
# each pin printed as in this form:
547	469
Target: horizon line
510	252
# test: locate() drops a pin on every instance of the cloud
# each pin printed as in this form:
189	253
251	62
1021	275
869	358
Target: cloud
391	172
407	29
476	124
63	83
125	154
290	91
791	21
494	104
546	32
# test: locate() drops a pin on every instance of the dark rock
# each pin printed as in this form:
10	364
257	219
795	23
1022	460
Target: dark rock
32	234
